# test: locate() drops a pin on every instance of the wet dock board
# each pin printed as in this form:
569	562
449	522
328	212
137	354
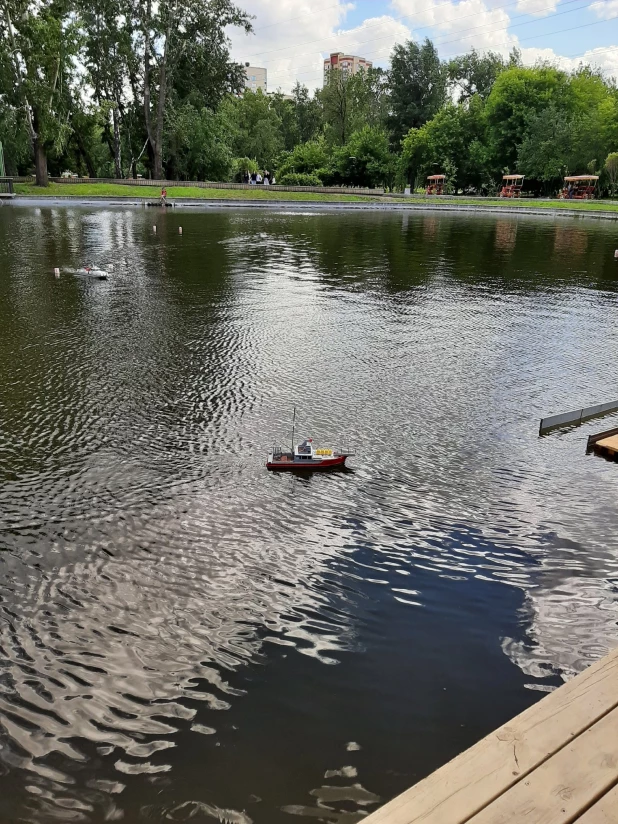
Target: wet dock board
555	763
608	446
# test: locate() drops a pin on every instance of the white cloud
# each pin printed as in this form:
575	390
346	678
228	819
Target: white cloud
472	24
292	40
605	8
539	8
605	59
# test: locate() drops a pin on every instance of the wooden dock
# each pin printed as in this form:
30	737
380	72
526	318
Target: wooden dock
607	446
556	763
605	443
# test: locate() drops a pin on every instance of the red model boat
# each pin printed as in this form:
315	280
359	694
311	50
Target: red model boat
306	457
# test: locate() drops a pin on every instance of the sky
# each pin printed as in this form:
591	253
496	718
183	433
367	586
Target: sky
292	37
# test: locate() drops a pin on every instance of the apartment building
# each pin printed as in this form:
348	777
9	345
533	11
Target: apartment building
347	63
255	78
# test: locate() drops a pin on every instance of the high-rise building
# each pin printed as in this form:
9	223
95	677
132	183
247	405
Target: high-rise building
255	78
347	63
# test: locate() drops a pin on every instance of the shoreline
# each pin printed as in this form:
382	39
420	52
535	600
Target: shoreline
308	205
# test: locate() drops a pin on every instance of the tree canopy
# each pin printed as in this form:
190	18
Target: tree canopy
117	88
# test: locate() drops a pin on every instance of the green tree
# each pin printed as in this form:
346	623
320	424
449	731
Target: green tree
570	131
546	152
337	98
372	97
109	61
255	128
417	82
199	144
351	101
308	112
306	158
611	167
452	143
285	111
365	160
15	139
474	73
39	42
518	94
164	34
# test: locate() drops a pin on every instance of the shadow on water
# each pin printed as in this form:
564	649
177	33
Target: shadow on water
186	636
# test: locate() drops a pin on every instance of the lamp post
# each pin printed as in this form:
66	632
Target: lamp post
2	166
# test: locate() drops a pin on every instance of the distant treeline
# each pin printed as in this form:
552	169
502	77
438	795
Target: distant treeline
117	88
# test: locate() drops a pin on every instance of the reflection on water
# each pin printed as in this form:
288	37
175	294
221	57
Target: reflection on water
184	636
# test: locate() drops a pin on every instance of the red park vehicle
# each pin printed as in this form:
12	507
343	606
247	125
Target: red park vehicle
579	187
435	184
511	185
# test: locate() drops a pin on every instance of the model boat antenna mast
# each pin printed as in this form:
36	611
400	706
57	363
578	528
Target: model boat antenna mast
293	428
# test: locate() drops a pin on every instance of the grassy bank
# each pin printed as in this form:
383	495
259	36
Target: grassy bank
107	190
523	203
173	192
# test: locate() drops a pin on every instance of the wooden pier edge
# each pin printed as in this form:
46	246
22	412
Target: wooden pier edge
557	763
605	443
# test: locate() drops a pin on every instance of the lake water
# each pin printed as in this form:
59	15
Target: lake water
185	636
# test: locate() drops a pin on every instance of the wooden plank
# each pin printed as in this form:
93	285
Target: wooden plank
608	444
599	437
563	787
604	811
461	788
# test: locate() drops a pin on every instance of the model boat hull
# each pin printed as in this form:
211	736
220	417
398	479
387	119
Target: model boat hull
288	464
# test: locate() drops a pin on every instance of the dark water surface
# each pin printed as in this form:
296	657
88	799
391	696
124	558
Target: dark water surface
184	636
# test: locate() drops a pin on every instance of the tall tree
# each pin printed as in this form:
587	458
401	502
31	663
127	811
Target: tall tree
338	105
285	111
417	82
365	160
351	102
517	94
109	60
474	73
308	112
42	42
452	143
611	167
255	128
164	32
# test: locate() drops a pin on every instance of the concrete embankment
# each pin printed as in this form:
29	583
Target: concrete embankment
316	205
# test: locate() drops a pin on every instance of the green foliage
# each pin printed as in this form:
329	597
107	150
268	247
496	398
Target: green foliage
417	82
38	43
299	179
255	128
15	140
611	167
306	158
517	95
308	113
365	160
474	73
120	87
242	165
452	143
198	143
351	101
